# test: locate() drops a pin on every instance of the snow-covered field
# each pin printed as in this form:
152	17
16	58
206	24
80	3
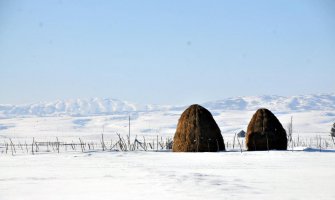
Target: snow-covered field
305	173
165	175
307	126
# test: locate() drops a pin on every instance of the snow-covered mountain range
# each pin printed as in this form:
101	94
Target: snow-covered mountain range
277	103
104	106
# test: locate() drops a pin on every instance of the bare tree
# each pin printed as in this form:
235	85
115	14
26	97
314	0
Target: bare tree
332	131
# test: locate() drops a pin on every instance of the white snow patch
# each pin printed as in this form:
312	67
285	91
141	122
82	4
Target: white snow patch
164	175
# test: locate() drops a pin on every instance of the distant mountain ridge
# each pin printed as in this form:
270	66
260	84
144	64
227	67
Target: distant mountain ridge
276	103
103	106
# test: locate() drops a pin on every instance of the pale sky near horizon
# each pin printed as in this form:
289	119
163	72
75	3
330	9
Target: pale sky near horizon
165	52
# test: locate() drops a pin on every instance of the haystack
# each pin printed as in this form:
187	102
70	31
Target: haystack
197	131
265	132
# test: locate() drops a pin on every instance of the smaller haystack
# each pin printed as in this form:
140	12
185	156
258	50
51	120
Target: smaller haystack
265	132
197	131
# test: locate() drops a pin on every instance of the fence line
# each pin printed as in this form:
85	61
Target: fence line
157	143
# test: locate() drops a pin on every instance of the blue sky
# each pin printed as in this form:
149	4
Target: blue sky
165	52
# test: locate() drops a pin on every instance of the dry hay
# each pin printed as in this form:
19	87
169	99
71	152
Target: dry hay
265	132
197	131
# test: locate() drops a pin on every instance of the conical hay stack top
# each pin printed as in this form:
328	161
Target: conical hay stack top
265	132
197	131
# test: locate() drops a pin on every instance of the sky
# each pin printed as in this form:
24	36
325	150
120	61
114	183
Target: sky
165	52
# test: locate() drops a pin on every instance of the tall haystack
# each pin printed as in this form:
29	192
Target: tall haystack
197	131
265	132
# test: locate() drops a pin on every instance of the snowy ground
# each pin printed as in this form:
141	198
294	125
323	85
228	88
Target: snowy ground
164	175
162	123
305	173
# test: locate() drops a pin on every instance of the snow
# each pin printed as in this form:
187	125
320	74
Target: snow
162	123
101	106
312	115
166	175
306	172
